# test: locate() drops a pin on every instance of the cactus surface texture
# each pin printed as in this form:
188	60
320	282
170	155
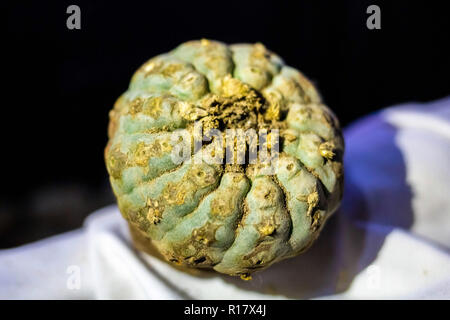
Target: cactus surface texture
233	217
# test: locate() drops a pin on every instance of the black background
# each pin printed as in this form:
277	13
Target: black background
59	84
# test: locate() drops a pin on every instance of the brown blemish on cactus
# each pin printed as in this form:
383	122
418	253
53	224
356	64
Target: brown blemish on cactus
153	107
265	195
198	176
255	258
116	162
135	106
174	193
201	176
165	146
142	152
171	69
155	211
205	234
138	217
305	113
193	250
223	206
291	87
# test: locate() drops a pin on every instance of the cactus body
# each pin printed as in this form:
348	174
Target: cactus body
233	218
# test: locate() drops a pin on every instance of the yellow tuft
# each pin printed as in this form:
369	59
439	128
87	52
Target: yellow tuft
326	150
267	230
246	277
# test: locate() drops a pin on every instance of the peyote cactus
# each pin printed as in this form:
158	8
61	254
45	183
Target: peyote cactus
231	217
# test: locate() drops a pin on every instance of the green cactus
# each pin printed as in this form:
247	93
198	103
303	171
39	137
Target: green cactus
232	218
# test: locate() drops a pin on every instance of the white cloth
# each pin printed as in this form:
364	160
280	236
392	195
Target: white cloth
390	239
